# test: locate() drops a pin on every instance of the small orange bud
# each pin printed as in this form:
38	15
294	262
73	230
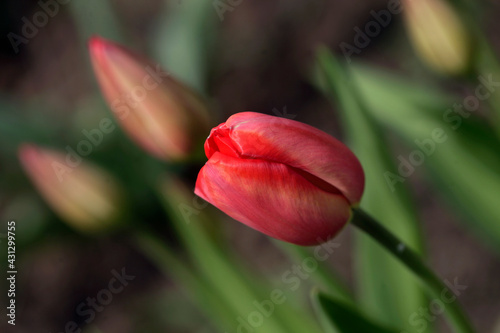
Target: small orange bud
161	114
86	197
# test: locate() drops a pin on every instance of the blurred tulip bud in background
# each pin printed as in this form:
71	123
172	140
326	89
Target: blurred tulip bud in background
162	115
86	197
438	35
281	177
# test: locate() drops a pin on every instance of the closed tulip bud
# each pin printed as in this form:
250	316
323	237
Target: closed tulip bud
281	177
161	114
86	197
438	35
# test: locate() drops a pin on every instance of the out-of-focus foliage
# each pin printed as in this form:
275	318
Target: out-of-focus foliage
207	285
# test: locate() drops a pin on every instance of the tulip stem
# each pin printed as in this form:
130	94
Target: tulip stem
411	260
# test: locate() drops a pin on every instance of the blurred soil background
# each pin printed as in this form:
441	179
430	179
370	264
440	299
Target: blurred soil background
260	62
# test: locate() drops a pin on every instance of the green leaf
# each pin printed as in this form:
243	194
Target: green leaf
22	122
96	17
184	40
339	317
234	285
386	288
324	276
464	167
172	265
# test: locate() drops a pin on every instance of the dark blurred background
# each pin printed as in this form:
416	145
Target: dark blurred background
257	58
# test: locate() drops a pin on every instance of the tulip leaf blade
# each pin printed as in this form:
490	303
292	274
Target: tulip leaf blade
464	167
184	36
225	275
96	17
339	317
387	289
323	276
167	262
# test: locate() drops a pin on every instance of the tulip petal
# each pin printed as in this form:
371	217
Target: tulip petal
297	145
272	198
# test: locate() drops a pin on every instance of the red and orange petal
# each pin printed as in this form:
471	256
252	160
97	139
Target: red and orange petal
273	199
255	135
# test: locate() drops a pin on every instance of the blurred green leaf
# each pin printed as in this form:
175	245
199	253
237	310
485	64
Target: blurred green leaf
184	40
25	207
183	314
25	122
465	167
173	265
485	59
225	276
96	17
339	317
325	277
387	290
487	64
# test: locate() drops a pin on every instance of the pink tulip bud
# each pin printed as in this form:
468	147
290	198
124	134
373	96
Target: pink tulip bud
86	197
281	177
162	115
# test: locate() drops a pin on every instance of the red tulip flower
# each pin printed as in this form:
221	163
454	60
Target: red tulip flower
281	177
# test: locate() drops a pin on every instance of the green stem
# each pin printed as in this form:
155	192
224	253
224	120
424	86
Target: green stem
412	261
